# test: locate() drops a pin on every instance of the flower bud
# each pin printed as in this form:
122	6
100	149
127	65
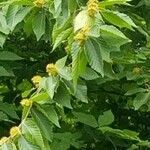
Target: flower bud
26	103
14	131
51	70
36	80
136	70
92	7
82	35
39	3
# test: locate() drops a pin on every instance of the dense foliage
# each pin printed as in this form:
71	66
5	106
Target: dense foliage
75	74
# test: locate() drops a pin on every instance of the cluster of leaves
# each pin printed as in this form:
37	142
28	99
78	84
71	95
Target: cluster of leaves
95	91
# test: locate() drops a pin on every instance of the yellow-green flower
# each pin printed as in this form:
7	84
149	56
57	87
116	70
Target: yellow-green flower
39	3
36	80
82	35
92	7
14	131
51	69
26	103
137	70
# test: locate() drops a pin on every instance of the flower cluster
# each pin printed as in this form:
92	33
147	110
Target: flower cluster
26	103
36	80
39	3
137	70
14	131
82	35
51	69
92	7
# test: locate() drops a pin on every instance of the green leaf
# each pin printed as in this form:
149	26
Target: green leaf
32	133
9	56
65	73
2	39
50	113
61	63
61	37
28	25
86	119
113	36
93	53
78	62
144	144
21	2
8	146
43	123
94	30
41	98
109	72
38	24
24	86
80	20
81	93
106	50
63	97
60	27
16	14
140	100
63	141
135	91
123	134
3	24
57	8
3	116
89	74
49	84
9	110
113	2
106	119
114	17
60	145
23	144
72	6
4	72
